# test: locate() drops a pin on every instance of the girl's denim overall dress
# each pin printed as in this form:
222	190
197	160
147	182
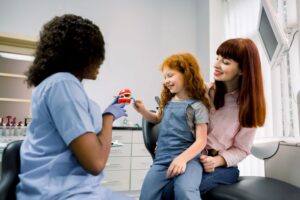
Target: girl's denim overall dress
175	136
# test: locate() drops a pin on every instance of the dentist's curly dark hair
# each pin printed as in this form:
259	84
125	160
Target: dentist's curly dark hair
68	43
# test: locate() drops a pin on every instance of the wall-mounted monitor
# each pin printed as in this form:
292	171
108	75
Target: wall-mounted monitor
271	33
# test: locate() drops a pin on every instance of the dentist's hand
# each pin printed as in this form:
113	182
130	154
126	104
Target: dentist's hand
115	109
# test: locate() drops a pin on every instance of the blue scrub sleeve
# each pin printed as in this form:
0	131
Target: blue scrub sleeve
69	108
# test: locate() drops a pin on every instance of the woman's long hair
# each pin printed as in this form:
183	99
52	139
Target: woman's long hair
187	65
251	100
67	43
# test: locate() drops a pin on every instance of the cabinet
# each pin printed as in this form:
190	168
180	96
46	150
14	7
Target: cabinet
15	58
127	164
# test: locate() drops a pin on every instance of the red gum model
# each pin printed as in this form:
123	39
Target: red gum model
124	96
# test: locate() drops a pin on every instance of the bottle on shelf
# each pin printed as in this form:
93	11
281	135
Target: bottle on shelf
8	126
19	129
125	121
13	126
27	121
2	126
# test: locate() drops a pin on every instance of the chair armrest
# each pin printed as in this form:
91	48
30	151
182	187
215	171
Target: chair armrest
265	150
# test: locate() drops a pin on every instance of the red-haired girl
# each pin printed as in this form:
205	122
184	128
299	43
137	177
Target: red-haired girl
180	140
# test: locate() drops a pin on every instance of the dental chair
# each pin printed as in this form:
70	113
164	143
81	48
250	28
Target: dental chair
10	170
282	171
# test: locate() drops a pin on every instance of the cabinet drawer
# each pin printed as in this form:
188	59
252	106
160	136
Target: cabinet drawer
141	162
124	150
137	137
117	163
124	136
137	178
116	180
139	150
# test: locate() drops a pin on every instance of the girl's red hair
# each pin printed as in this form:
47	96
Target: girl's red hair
186	64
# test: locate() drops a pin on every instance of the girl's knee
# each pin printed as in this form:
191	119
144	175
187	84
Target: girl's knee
186	192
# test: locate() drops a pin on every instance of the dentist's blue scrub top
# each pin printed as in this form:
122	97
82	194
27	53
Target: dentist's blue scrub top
61	111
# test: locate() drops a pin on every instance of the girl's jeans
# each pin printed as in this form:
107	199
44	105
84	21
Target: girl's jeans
221	176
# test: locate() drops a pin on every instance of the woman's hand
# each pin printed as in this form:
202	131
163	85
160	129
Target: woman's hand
177	167
210	163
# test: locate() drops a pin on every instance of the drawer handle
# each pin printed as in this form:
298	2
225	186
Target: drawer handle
112	165
116	143
110	182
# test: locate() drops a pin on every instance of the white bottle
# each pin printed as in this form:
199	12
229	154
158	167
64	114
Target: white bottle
13	126
7	129
23	130
125	122
1	126
18	129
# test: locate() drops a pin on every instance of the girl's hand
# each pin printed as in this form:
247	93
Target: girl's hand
139	106
147	114
177	167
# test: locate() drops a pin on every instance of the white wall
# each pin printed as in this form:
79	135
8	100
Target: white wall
138	35
203	36
217	29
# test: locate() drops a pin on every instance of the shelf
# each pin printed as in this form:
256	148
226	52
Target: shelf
15	96
15	100
17	44
13	75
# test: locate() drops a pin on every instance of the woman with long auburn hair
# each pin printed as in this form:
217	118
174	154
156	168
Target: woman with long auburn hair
238	109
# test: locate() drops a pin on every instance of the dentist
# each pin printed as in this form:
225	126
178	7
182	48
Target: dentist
69	139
